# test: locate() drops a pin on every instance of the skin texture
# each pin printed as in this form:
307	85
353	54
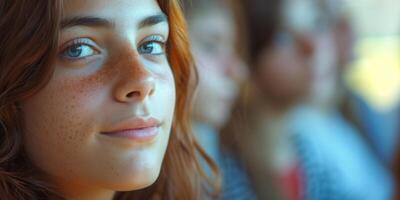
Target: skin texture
220	68
114	80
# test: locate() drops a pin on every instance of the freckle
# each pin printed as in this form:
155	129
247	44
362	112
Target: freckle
76	134
80	139
69	107
113	171
99	78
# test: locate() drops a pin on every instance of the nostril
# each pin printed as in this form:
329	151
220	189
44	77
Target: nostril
151	92
132	94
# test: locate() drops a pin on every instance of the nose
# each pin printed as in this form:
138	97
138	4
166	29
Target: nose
136	83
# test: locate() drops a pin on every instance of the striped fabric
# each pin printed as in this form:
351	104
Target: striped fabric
337	163
236	185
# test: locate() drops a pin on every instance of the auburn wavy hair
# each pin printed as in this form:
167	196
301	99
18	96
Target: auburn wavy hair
29	32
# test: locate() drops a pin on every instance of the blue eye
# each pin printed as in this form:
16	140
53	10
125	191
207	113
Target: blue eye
154	45
79	49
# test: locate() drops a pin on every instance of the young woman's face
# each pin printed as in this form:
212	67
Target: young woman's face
104	119
284	68
220	68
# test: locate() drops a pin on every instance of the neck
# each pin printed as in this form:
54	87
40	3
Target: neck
98	195
276	110
82	192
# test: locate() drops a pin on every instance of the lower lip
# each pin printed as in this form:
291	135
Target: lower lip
140	135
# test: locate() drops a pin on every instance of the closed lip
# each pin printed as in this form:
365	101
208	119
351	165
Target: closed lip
137	128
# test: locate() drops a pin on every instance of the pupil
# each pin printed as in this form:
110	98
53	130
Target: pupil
148	48
75	51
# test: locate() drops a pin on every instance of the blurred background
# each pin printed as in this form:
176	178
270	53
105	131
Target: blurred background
377	64
299	99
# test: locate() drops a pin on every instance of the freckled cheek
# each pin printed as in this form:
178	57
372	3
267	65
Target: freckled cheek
64	111
60	121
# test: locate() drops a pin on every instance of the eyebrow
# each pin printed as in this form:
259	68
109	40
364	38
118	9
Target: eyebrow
103	22
86	21
153	20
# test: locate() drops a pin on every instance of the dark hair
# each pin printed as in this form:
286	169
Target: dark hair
261	19
28	44
29	31
396	170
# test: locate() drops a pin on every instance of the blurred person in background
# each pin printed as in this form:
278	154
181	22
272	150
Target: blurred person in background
337	158
294	138
279	71
221	72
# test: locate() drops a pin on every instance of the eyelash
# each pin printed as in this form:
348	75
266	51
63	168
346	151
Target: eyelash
86	42
80	42
153	39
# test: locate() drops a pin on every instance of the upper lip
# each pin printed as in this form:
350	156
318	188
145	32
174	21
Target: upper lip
135	123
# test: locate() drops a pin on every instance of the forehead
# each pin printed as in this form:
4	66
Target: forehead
213	23
123	9
300	15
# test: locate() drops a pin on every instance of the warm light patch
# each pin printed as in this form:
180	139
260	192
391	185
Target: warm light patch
376	73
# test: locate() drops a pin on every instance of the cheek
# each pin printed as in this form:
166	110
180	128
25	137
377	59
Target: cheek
60	120
166	94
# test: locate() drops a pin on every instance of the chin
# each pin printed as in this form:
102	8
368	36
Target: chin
130	183
135	174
